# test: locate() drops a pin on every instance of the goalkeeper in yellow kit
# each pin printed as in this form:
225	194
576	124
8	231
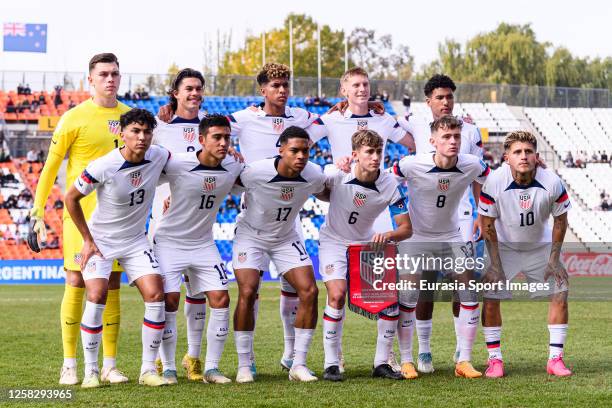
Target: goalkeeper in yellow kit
86	132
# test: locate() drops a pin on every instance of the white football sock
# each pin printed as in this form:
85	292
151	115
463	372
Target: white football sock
303	338
456	322
469	315
332	332
558	333
405	332
288	310
387	327
70	362
492	336
91	334
195	315
423	329
152	329
216	335
167	350
244	345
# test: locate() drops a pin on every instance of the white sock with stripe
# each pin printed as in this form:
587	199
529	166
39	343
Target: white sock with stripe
91	334
152	329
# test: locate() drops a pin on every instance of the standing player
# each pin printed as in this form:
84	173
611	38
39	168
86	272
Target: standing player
84	133
439	96
356	199
437	182
125	180
276	189
184	243
179	135
516	204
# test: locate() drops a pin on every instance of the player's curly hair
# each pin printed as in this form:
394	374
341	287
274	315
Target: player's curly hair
292	132
273	71
367	138
140	116
520	136
446	122
438	81
211	120
176	83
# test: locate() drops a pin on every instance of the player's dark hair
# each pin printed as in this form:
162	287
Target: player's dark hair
292	132
107	57
520	136
140	116
446	122
273	71
438	81
211	120
176	83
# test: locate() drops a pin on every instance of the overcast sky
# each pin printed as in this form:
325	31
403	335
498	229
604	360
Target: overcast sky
148	36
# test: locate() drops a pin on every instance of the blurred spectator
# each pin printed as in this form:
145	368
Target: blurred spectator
127	96
25	105
581	159
58	204
27	90
10	106
569	160
41	99
57	99
31	156
4	156
308	101
406	101
71	104
385	96
594	158
605	204
604	157
40	156
54	243
20	89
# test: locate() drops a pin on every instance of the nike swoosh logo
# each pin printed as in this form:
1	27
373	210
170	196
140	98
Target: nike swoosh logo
303	259
166	338
199	318
70	324
221	335
329	338
80	182
388	337
155	267
566	205
484	209
53	141
111	324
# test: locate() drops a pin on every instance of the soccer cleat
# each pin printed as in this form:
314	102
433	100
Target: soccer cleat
214	376
193	366
170	377
342	365
91	380
113	375
425	363
301	373
408	371
286	363
392	361
495	368
68	376
244	375
159	366
152	379
466	370
253	368
332	373
556	366
386	371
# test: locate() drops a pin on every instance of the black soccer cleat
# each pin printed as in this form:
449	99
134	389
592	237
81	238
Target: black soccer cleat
385	371
332	373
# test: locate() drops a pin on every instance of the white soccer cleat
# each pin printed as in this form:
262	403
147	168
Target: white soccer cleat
214	376
425	364
113	375
301	373
342	365
392	361
91	380
244	375
68	376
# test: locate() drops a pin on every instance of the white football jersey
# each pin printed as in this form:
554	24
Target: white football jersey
523	212
179	135
197	192
125	191
435	193
354	205
258	133
272	201
339	128
471	143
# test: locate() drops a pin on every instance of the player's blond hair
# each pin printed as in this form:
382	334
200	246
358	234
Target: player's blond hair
271	71
367	138
446	122
520	136
352	72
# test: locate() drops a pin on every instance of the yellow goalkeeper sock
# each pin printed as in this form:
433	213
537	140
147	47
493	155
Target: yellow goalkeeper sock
110	321
70	315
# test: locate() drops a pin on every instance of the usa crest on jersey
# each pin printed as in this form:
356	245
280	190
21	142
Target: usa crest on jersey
189	134
525	200
278	124
113	127
329	269
136	178
287	193
443	184
359	199
242	257
362	125
210	183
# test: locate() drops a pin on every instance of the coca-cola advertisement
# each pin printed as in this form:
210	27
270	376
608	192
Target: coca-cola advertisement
587	263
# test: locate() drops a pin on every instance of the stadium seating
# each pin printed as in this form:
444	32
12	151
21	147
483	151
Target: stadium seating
48	108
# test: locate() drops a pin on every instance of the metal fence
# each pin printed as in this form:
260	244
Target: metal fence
156	84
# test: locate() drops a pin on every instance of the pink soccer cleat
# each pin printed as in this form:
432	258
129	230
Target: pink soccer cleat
495	368
556	366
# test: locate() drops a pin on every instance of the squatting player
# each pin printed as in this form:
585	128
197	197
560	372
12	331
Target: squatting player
516	203
356	200
85	133
125	180
437	182
276	189
184	243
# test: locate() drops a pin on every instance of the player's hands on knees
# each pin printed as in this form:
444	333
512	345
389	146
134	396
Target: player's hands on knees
556	270
235	154
344	164
166	205
37	231
89	249
165	113
379	241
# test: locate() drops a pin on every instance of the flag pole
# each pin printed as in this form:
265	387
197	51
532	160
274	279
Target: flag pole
291	56
318	60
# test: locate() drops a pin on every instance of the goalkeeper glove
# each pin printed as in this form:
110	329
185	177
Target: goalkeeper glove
37	233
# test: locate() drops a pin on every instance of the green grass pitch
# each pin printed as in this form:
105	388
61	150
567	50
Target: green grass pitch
31	356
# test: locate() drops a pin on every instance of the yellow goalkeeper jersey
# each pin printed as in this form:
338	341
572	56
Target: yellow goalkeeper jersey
85	132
